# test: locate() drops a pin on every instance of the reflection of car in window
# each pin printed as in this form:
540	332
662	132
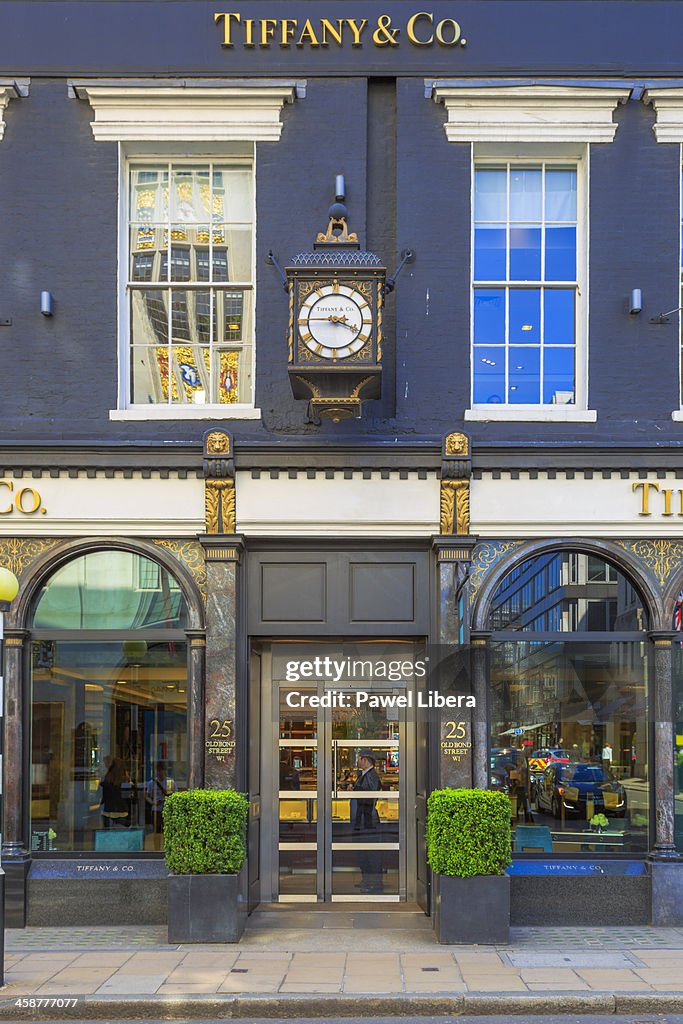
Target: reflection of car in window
567	788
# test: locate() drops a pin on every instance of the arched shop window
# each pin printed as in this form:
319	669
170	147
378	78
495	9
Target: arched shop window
109	704
677	667
568	706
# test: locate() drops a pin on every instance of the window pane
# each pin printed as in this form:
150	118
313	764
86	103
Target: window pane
110	590
149	317
489	253
190	194
560	254
108	742
567	587
569	742
525	254
149	374
525	316
525	375
560	195
149	194
525	194
190	374
489	375
489	195
233	194
234	247
558	307
226	375
678	729
558	376
489	316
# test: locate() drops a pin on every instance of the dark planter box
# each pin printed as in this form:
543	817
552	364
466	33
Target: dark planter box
473	911
206	908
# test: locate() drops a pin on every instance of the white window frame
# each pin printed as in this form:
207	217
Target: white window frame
534	119
129	157
173	119
677	414
532	155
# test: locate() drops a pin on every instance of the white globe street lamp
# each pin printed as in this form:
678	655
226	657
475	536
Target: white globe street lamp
9	588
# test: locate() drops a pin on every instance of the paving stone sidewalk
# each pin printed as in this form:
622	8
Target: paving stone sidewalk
139	962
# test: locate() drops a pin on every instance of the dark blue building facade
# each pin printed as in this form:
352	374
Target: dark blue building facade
183	525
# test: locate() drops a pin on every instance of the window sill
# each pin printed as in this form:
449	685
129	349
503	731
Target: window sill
677	415
537	414
186	412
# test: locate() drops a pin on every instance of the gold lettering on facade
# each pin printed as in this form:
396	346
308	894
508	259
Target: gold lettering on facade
328	29
645	485
307	35
410	29
357	29
420	29
26	500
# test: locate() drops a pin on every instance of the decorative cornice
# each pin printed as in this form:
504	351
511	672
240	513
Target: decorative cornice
668	105
528	113
11	88
176	111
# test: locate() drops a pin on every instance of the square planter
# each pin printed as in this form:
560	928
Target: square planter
473	911
206	908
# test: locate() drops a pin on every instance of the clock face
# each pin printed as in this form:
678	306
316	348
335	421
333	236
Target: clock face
335	321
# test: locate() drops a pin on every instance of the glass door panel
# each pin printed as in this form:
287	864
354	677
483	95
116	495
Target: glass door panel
297	800
366	804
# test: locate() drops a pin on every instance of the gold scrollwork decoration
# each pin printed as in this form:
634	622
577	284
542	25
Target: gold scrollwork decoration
663	557
379	321
485	557
455	507
217	443
291	324
18	553
191	554
457	444
219	502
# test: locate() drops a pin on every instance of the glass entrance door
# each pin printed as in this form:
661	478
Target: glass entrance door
341	768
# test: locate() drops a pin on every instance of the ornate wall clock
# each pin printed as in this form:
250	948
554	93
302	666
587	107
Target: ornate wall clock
336	294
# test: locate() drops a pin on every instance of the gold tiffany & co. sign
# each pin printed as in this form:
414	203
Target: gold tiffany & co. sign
421	29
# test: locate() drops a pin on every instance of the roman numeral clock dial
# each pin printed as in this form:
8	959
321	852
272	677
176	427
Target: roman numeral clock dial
336	297
335	321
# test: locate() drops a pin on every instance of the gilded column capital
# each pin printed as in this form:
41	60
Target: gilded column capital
456	471
219	483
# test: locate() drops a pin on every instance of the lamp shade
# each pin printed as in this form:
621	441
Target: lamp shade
9	585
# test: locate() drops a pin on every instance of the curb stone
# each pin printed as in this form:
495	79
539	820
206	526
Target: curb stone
641	1002
291	1006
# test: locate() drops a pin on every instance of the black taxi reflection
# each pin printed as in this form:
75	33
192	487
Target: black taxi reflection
568	788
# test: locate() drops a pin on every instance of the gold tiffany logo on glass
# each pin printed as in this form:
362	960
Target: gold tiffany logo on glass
335	321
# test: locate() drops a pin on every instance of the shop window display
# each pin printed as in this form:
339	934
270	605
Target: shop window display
569	724
109	705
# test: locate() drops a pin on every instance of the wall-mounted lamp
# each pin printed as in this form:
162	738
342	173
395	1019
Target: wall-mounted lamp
46	303
636	301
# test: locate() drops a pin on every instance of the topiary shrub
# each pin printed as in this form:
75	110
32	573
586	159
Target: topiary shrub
205	831
468	832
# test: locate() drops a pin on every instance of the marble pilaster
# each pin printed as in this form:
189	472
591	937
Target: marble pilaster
220	694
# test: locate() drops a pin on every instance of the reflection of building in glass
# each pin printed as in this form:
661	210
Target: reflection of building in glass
574	678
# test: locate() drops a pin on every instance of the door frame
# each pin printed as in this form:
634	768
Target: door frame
267	692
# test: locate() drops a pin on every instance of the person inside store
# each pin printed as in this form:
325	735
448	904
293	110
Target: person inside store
289	776
366	823
115	806
156	791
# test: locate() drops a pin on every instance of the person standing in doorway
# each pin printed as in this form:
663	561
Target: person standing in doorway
366	823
